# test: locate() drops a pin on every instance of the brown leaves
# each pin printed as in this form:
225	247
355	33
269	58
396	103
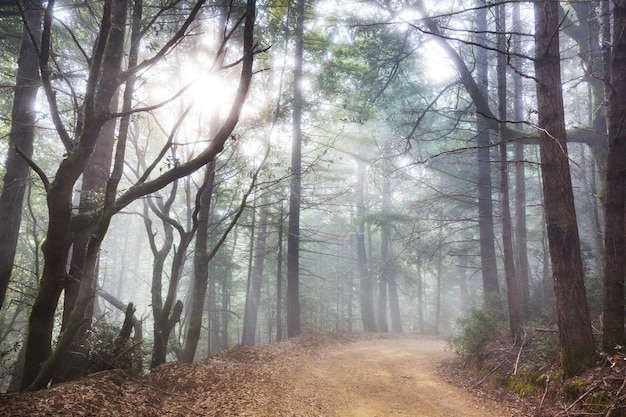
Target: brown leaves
241	381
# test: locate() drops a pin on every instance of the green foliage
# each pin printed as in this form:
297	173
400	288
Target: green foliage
477	329
8	362
537	358
104	353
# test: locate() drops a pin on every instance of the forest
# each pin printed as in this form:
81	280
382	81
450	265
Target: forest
184	176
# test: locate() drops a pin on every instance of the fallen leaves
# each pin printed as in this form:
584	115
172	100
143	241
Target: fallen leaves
243	381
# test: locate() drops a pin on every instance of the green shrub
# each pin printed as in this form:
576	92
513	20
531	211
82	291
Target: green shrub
476	330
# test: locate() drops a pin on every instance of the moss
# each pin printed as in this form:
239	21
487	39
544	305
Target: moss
117	378
525	387
573	388
575	362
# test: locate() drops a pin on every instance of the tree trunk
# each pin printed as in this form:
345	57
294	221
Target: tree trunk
200	270
420	292
575	336
438	293
381	312
614	207
386	254
253	300
21	137
59	234
464	292
211	309
491	287
293	233
521	239
365	281
515	313
170	312
279	277
94	182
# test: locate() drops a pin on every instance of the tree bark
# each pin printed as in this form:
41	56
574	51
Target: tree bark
575	335
614	202
21	136
200	270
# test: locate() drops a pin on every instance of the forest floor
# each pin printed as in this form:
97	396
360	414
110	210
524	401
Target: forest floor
312	375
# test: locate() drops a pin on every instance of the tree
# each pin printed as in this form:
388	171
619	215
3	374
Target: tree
388	268
521	238
515	313
166	312
21	138
615	190
93	182
295	194
366	290
575	335
104	78
491	287
200	269
253	297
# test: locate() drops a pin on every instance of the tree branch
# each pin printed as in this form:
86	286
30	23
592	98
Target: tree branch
34	167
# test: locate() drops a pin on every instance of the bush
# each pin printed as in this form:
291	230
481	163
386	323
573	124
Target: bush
104	353
476	330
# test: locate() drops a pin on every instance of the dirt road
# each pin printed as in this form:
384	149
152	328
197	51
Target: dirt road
392	377
317	375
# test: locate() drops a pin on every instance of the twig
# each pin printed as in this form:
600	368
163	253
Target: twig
617	400
545	391
577	400
519	354
493	371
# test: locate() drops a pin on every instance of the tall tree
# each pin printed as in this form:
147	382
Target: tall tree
253	296
491	287
615	190
521	238
21	138
295	196
366	289
386	257
573	320
515	313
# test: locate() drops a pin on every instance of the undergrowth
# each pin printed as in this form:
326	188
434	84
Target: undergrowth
530	368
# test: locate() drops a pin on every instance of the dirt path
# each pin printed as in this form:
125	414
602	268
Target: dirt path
317	375
392	377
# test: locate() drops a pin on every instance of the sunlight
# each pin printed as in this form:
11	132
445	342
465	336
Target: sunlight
208	91
436	65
